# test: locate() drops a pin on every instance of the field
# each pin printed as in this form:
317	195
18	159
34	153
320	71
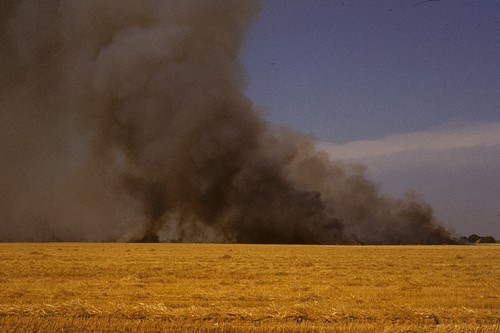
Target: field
94	287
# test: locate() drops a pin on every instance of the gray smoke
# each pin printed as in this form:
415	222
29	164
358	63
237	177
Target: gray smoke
125	120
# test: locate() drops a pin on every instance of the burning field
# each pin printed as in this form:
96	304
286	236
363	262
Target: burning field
127	121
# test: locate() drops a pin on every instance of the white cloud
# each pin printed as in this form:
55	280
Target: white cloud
471	136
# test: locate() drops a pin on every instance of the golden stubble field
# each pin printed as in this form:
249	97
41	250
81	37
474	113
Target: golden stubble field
94	287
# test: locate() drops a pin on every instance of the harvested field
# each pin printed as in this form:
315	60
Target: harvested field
96	287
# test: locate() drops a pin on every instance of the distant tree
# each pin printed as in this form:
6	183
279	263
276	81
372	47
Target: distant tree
478	239
487	239
473	238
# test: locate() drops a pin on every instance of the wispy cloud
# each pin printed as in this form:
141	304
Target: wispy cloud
470	136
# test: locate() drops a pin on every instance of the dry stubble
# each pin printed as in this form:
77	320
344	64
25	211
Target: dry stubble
88	287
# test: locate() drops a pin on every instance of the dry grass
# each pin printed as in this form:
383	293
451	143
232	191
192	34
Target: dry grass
67	287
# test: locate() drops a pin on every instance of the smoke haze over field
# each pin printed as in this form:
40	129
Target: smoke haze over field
126	121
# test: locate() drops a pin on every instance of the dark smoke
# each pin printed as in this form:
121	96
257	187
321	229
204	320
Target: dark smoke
125	120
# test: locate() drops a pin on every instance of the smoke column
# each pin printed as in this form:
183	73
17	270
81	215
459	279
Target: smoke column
125	120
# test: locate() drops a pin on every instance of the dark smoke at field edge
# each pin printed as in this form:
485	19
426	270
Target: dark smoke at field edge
126	121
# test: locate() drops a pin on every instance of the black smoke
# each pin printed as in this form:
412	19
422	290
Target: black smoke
125	120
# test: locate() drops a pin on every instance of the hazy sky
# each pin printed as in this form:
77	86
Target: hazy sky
411	91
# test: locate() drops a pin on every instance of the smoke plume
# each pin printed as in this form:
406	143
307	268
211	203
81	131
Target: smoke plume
125	120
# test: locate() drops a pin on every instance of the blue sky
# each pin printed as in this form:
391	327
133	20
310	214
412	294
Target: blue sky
383	82
348	70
